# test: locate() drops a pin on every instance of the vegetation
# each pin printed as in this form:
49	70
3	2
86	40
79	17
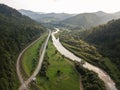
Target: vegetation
16	31
87	20
90	79
107	39
46	18
57	73
31	56
102	47
81	48
45	64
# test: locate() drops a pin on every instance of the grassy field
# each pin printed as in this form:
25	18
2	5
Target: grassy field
91	54
31	55
104	62
68	79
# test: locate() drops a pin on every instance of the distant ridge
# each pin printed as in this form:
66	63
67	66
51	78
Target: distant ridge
87	20
46	17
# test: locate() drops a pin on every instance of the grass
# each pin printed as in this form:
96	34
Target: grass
112	68
106	61
82	53
31	55
94	58
57	35
67	80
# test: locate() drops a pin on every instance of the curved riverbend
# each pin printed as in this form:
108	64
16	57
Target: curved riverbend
110	85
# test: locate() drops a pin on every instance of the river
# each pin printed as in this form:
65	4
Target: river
110	85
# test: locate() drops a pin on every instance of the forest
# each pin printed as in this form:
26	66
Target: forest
99	45
16	32
90	79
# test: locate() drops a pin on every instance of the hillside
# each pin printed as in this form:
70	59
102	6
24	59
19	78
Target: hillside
46	17
83	20
87	20
107	40
16	31
106	36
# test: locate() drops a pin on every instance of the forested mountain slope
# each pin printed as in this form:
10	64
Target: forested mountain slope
87	20
83	20
46	17
99	46
107	40
16	31
106	36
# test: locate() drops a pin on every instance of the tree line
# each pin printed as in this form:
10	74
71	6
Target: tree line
16	31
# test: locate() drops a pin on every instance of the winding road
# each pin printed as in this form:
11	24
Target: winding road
24	84
110	85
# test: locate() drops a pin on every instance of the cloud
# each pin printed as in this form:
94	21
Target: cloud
68	6
55	0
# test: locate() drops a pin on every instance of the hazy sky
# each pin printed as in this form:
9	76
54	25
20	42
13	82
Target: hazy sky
67	6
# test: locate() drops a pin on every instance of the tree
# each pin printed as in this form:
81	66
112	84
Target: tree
58	73
3	84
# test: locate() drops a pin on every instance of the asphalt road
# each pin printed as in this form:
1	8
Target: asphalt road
24	84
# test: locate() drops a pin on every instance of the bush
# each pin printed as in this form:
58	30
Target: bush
90	79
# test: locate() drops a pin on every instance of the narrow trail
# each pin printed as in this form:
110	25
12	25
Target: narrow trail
110	85
81	86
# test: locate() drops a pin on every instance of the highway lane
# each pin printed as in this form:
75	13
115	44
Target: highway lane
24	84
18	63
40	61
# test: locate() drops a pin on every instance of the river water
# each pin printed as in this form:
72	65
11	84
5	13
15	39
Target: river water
110	85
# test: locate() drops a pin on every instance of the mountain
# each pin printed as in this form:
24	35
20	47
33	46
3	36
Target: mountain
107	40
117	14
100	13
87	20
46	17
16	31
83	20
106	36
72	21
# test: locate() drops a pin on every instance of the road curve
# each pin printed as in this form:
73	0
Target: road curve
39	64
110	85
25	83
18	62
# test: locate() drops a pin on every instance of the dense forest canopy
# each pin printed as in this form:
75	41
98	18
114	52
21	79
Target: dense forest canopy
88	20
16	31
106	39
